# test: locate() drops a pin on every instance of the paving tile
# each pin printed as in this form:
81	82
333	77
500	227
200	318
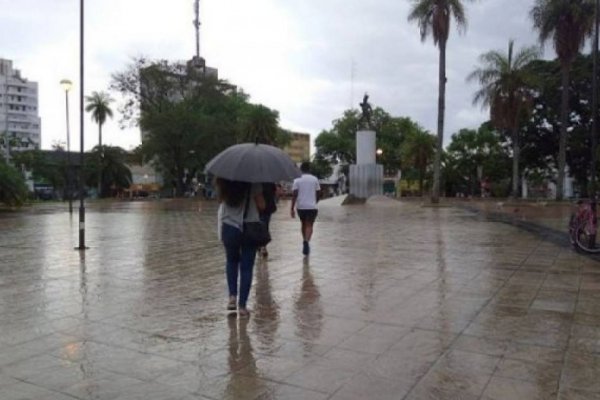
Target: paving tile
510	389
395	296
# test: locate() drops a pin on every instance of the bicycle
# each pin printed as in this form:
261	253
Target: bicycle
583	226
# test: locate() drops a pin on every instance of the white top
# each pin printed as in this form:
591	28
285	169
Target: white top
234	216
307	186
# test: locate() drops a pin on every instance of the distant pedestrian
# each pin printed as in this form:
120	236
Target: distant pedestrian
270	196
240	202
305	195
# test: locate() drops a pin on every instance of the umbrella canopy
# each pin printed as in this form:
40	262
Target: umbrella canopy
250	162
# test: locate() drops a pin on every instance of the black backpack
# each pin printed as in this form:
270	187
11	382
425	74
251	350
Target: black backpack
270	195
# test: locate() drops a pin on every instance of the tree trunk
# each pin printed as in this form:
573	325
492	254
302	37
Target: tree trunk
101	152
435	190
515	167
562	144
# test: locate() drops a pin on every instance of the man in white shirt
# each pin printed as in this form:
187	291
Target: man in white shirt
306	191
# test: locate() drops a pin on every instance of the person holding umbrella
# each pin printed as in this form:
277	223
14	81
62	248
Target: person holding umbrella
240	170
241	202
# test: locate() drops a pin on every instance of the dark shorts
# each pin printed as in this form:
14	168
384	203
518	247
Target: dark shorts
307	215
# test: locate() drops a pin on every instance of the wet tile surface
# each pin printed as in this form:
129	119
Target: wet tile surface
397	301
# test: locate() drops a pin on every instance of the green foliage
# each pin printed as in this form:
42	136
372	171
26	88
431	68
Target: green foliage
569	23
187	118
338	145
43	168
507	87
433	17
471	150
259	123
111	162
99	105
13	191
540	134
566	22
417	150
320	167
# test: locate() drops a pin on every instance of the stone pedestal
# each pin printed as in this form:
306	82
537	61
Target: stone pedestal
365	147
366	180
366	177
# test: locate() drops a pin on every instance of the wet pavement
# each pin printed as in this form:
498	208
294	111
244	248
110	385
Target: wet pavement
397	301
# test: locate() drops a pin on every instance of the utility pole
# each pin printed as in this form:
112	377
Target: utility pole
197	26
594	140
81	117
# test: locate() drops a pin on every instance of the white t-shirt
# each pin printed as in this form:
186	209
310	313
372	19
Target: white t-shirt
307	186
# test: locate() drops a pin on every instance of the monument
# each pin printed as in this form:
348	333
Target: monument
366	176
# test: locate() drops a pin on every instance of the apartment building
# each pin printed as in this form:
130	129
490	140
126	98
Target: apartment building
299	147
20	124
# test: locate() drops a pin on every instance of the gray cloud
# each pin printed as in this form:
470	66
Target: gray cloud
295	57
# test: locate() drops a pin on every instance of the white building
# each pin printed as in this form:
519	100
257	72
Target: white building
20	124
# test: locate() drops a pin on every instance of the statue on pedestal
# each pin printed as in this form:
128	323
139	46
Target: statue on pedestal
365	119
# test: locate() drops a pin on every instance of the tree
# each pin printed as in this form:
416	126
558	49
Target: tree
115	175
506	88
338	144
568	23
48	167
13	191
259	123
186	117
417	149
433	17
474	154
99	105
540	133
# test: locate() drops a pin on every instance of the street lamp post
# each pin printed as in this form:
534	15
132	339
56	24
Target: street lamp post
594	140
66	85
81	115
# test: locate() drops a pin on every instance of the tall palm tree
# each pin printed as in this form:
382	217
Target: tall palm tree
567	23
433	17
506	85
260	123
99	105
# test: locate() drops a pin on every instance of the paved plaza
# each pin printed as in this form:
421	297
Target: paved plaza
397	301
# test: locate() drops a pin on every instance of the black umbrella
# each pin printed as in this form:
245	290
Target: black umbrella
251	162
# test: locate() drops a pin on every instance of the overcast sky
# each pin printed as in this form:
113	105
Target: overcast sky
294	56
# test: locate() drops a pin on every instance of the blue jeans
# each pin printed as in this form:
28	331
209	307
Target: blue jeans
240	259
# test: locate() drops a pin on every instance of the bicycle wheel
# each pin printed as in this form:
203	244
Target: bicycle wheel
585	238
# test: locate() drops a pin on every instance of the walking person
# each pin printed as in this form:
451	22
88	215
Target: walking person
270	196
239	202
305	195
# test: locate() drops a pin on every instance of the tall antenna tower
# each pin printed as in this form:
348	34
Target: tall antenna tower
197	26
352	76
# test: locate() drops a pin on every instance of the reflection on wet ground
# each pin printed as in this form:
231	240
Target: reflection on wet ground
396	301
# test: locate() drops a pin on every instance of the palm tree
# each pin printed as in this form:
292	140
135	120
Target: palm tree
506	85
568	23
260	124
433	17
99	105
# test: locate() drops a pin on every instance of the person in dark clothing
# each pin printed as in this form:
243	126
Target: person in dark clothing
270	196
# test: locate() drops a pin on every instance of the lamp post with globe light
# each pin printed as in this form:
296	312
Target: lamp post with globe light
81	246
67	85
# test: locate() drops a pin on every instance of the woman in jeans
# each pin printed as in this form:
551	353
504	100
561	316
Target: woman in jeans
240	202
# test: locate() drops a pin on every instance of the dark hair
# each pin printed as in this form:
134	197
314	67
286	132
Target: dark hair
305	166
232	193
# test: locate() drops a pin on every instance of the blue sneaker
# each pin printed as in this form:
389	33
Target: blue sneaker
305	248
